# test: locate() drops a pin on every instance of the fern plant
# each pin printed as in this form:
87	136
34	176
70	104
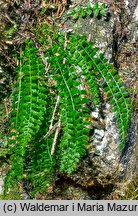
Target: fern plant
50	124
28	99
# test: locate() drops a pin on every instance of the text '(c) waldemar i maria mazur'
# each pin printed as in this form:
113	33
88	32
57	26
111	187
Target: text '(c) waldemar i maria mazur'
110	206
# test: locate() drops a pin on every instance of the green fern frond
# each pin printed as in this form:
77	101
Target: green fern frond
74	137
28	99
119	99
117	93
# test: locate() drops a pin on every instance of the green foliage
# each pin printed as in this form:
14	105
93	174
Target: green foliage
28	99
119	99
97	68
98	10
50	112
72	108
40	164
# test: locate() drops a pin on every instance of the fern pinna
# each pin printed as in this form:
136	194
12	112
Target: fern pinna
28	99
80	75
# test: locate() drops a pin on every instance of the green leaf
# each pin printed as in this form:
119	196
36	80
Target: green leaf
75	16
89	11
82	12
96	12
